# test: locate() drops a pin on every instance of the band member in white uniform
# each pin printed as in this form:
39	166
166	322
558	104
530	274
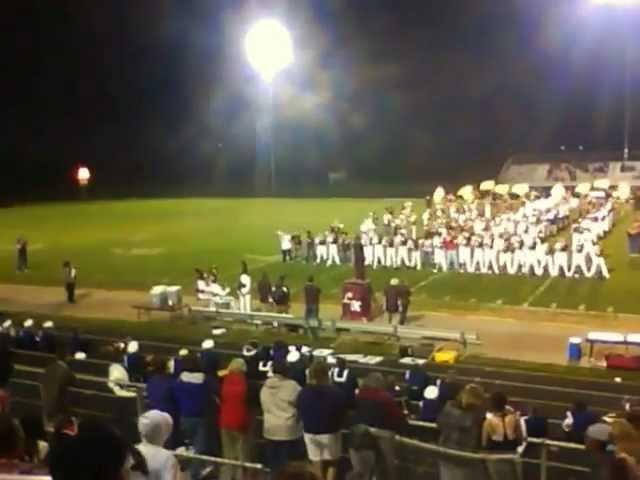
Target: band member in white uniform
477	257
367	247
403	251
415	253
579	261
390	251
530	259
378	250
439	257
332	241
560	260
244	289
491	255
464	253
505	258
518	256
598	264
322	252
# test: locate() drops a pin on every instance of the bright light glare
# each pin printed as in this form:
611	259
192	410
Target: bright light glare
83	175
269	48
618	3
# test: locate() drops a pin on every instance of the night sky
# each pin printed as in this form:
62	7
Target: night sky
156	95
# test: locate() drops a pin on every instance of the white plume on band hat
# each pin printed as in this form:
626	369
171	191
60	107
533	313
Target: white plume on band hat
48	324
249	351
28	323
431	392
133	347
7	323
208	344
293	356
394	281
80	356
183	352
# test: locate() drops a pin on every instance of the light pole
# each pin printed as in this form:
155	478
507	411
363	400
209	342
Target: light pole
269	50
624	4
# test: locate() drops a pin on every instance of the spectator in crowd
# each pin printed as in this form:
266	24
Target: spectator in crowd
155	429
460	424
135	362
281	296
345	379
626	465
322	408
534	425
234	417
194	393
55	382
160	395
282	427
375	407
47	342
6	370
96	451
35	446
312	306
597	439
578	419
264	292
501	431
391	301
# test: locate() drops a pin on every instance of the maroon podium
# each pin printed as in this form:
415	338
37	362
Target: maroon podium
356	300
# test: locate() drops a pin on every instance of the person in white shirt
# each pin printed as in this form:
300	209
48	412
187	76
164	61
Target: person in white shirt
519	256
464	253
579	262
378	251
332	241
244	289
560	260
367	247
400	242
390	251
439	256
322	249
598	265
285	246
155	428
491	249
415	253
477	256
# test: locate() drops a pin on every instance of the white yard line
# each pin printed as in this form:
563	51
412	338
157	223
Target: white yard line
538	291
429	280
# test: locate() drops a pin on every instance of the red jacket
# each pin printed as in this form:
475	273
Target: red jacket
234	411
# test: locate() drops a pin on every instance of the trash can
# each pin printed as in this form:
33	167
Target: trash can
174	295
158	295
574	350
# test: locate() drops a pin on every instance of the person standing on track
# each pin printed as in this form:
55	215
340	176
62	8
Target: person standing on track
21	252
70	276
404	298
244	289
285	246
391	301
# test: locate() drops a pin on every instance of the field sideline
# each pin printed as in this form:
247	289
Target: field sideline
134	244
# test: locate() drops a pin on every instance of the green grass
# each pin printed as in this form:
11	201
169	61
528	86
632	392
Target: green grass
137	243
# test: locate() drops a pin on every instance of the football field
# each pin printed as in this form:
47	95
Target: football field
133	244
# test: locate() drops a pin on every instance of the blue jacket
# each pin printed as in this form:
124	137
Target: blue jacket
321	408
160	394
417	380
193	393
209	361
346	381
430	409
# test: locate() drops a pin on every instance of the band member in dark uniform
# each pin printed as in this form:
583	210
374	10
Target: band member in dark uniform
70	275
404	298
264	292
281	296
391	303
310	254
312	305
358	258
21	251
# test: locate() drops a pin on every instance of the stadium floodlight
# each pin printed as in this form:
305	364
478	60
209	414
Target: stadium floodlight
83	175
269	48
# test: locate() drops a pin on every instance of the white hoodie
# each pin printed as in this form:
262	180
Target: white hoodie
278	399
155	428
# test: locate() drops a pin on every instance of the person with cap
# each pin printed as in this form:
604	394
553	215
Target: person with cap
135	362
392	301
155	428
234	417
312	306
282	427
195	395
22	246
264	292
47	339
345	379
55	382
70	277
417	379
26	338
244	289
160	394
601	458
209	357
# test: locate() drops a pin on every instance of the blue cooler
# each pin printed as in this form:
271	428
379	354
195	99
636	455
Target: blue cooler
574	350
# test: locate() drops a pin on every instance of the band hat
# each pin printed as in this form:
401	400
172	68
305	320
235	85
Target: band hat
133	347
293	348
293	356
249	351
394	281
431	392
305	350
28	323
218	331
48	324
183	352
80	356
208	344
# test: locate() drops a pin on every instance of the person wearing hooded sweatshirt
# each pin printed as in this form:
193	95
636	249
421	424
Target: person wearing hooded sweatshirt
234	416
155	428
282	427
194	393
